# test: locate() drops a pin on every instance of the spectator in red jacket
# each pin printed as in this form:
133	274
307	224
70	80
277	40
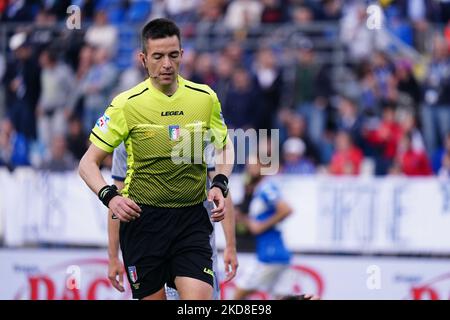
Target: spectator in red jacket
386	136
347	158
413	162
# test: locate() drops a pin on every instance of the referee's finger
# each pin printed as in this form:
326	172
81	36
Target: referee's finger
130	211
220	203
120	285
123	216
114	283
218	216
133	205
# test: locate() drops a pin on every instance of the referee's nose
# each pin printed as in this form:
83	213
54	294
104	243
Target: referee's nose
166	62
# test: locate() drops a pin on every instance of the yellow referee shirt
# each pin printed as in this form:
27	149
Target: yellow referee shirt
164	141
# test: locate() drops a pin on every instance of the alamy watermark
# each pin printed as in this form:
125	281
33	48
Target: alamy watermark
373	281
374	17
73	281
73	21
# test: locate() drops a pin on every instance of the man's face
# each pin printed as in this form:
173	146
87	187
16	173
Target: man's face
163	59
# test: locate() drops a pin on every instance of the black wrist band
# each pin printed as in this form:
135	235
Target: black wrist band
107	193
221	181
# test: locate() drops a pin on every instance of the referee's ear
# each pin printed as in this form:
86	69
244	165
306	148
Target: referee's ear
142	58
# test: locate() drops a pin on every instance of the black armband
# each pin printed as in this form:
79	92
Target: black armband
107	193
221	181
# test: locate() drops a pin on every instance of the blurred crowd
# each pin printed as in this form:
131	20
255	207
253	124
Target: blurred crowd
378	109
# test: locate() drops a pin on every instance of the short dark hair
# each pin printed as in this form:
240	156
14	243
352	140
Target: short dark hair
158	29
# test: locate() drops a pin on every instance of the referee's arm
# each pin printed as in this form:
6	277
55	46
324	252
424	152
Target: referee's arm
224	166
115	267
225	158
125	209
89	168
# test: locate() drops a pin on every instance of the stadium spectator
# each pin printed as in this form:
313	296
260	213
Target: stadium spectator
57	8
17	11
23	85
77	140
436	110
295	126
14	146
347	158
224	71
204	71
132	75
184	11
97	86
164	239
102	34
384	139
293	160
409	90
409	125
241	102
349	119
243	14
310	89
359	40
412	162
269	84
45	32
273	12
56	85
383	70
60	159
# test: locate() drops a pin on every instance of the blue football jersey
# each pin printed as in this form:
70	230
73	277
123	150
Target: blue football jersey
270	247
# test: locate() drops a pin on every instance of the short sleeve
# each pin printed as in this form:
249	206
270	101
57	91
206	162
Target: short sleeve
217	124
210	158
110	129
119	163
271	194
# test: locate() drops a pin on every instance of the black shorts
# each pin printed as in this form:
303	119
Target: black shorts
164	243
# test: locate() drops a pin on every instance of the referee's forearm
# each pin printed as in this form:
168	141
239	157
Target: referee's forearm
90	172
228	224
225	159
113	229
113	236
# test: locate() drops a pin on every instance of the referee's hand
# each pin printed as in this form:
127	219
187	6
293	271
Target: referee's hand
124	208
115	273
218	213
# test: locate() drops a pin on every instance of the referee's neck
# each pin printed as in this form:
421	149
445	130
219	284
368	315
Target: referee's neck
168	90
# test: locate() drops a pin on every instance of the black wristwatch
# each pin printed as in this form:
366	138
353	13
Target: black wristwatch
221	181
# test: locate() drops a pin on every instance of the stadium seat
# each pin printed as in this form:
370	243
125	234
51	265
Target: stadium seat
139	11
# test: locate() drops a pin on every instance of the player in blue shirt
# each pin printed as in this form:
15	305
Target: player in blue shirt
267	209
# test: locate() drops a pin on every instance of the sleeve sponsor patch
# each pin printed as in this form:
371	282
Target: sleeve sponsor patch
102	123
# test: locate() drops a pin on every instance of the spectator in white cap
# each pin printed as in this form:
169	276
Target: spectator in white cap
293	160
22	85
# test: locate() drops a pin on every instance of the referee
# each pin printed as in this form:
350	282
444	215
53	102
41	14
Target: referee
164	229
